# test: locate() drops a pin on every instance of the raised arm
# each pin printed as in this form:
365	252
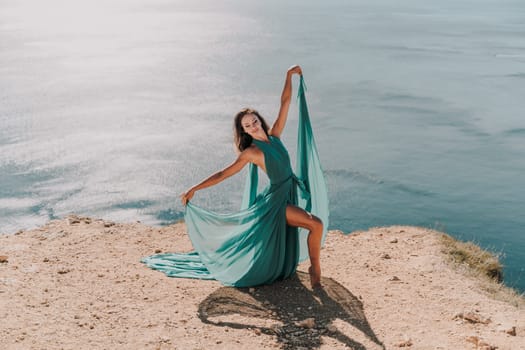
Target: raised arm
243	158
286	97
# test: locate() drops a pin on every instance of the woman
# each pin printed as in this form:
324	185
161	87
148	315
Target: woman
260	244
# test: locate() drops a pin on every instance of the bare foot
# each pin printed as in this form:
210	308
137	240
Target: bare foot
315	277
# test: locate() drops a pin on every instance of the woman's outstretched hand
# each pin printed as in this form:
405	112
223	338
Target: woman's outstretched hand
295	70
186	196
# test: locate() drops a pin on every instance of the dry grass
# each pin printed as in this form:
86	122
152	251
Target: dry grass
482	264
471	255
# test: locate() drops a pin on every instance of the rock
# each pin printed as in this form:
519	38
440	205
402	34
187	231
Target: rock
404	344
511	331
73	219
394	279
63	270
385	256
306	323
276	328
158	251
108	224
394	240
480	344
164	339
472	317
486	346
3	259
331	328
473	339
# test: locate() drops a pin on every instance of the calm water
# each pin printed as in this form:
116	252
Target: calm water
112	109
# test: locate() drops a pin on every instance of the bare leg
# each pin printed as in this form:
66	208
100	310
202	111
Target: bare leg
296	216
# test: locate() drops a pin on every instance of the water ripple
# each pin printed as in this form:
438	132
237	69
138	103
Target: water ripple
361	177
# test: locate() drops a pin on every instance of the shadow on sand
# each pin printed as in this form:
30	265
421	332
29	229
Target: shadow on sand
285	304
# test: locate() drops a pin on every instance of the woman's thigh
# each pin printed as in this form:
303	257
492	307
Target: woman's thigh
299	217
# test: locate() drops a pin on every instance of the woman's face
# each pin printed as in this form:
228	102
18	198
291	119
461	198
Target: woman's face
251	124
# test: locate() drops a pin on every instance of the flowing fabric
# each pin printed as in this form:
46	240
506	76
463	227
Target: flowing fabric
255	245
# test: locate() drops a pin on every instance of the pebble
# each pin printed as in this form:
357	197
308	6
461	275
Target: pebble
164	339
510	330
331	328
472	317
3	259
480	344
73	220
404	344
307	323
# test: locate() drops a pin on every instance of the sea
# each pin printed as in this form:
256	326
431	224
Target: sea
113	108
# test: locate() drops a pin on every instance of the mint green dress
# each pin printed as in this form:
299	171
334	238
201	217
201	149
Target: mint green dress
255	246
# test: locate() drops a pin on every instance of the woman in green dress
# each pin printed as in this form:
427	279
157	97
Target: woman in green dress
275	229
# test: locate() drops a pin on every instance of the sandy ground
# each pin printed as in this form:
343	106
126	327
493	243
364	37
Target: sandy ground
78	283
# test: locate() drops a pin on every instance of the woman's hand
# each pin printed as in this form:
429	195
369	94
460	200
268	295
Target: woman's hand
295	70
186	196
286	97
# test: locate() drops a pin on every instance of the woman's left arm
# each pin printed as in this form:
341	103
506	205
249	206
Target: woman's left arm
286	97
